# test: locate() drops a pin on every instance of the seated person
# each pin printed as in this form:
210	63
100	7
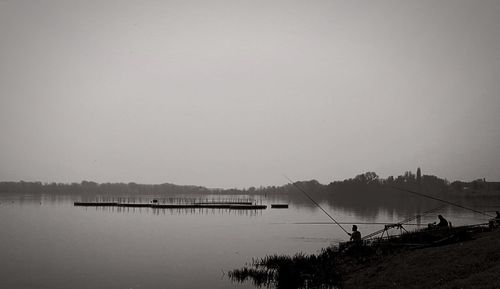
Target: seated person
442	222
355	235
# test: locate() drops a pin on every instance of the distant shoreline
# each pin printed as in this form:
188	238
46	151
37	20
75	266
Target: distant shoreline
368	181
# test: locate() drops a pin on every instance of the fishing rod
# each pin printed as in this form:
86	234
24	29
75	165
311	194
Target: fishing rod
440	200
343	223
399	224
312	200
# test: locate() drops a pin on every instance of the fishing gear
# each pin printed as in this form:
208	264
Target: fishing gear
399	225
441	200
343	223
312	200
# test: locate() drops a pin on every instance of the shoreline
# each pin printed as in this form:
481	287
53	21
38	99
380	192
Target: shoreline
460	257
468	264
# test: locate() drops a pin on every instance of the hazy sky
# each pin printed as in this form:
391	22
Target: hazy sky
238	93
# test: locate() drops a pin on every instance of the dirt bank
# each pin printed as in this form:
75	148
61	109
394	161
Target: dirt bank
470	264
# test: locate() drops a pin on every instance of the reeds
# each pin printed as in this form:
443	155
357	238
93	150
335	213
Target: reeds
298	271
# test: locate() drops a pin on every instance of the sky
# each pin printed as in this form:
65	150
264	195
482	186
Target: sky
240	93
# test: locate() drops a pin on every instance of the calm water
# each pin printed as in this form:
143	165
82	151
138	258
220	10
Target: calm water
46	242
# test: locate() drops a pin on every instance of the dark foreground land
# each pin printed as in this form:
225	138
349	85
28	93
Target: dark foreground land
470	264
469	257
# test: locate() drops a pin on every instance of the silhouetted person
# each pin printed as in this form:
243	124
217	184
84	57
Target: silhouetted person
495	222
442	222
355	235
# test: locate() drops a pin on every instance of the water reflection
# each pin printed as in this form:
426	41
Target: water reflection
176	211
49	243
345	209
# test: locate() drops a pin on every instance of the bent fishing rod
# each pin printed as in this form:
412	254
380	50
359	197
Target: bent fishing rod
296	185
440	200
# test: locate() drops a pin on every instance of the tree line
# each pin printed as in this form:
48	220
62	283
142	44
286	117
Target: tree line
363	185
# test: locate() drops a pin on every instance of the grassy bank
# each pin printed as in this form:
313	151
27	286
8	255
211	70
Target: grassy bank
470	264
471	261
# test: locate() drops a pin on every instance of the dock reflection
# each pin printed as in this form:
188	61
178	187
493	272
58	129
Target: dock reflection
175	211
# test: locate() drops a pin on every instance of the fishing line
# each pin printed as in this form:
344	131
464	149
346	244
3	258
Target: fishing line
402	222
343	223
312	200
441	200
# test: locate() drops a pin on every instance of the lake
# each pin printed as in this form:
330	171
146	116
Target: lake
46	242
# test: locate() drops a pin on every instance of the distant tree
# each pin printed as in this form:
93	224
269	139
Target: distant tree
367	178
409	177
419	177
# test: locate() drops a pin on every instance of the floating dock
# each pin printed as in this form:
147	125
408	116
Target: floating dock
279	206
231	206
222	203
